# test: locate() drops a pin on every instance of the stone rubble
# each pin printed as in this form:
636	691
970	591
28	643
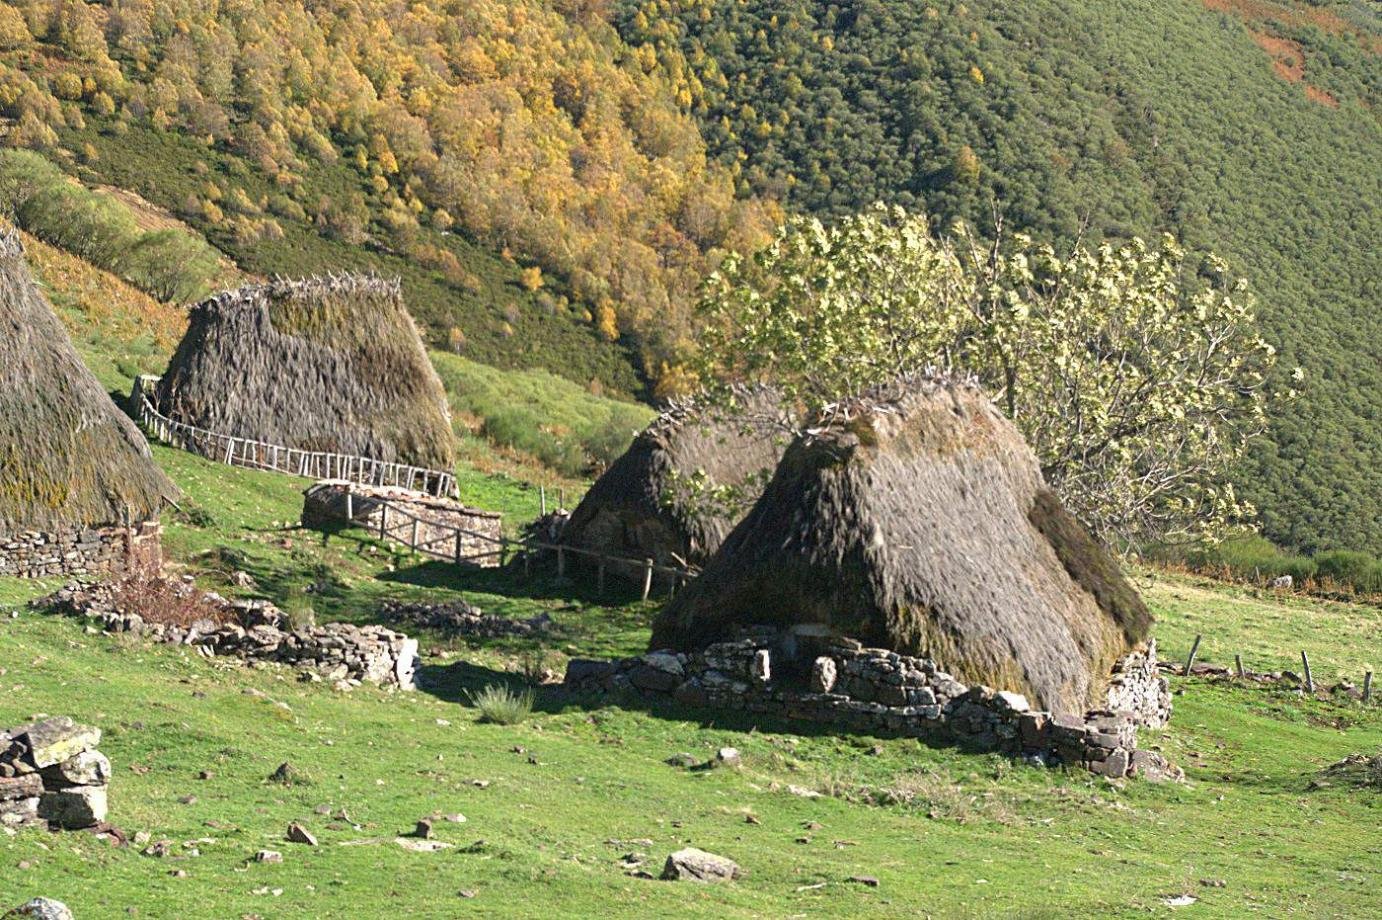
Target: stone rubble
50	771
256	630
798	674
462	619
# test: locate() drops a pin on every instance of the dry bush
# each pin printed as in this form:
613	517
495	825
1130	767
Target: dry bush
167	602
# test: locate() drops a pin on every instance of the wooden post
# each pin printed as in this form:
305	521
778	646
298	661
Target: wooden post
561	499
1189	662
561	562
647	578
1367	687
542	496
527	563
1309	680
458	548
1238	661
230	449
602	575
350	505
414	543
383	519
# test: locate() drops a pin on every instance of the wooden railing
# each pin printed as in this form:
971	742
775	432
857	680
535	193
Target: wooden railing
402	525
259	455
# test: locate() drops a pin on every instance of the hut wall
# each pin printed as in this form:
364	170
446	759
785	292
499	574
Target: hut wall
808	675
82	551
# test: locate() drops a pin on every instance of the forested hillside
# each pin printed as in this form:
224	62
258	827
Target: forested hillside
1249	128
551	180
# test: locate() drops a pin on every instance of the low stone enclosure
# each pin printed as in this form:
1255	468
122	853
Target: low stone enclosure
435	527
82	551
50	771
256	630
801	675
459	618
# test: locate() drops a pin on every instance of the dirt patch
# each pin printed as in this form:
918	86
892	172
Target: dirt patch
1296	15
147	216
1288	57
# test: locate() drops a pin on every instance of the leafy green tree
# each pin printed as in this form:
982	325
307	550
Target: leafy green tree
1138	382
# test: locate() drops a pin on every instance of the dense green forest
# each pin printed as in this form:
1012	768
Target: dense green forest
1244	127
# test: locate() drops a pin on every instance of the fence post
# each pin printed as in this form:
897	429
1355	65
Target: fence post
647	578
350	505
414	543
561	562
458	548
383	519
1309	680
542	496
230	449
602	575
1367	687
1238	661
1195	647
527	563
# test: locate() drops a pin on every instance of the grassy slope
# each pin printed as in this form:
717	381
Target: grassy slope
979	835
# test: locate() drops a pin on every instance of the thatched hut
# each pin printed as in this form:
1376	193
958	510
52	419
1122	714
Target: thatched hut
917	519
326	364
684	483
78	488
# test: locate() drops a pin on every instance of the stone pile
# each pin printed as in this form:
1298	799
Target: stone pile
256	630
462	619
818	678
50	771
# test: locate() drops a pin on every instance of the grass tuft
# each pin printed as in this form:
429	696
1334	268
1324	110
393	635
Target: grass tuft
502	706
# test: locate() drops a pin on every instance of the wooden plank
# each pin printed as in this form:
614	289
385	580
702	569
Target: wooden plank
647	578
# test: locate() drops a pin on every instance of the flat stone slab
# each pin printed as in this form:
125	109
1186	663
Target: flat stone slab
52	741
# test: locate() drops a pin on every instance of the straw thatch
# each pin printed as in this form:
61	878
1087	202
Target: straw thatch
918	520
684	483
68	457
326	364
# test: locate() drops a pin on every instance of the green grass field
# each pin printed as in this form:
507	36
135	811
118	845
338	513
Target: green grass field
575	789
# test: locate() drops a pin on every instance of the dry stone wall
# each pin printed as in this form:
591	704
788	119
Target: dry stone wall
51	772
819	678
82	551
256	630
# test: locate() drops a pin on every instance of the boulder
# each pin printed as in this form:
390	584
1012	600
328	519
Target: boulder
74	808
691	864
41	909
89	768
54	740
823	675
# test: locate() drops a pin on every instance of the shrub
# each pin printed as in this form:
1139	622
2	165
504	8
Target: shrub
1360	571
501	705
167	602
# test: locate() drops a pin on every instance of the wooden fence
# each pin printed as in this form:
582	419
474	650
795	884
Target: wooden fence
402	525
259	455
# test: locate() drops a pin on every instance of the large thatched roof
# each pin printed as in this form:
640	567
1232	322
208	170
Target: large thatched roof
684	483
68	457
333	364
918	520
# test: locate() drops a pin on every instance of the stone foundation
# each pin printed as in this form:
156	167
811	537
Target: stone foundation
82	551
439	519
258	631
51	772
816	678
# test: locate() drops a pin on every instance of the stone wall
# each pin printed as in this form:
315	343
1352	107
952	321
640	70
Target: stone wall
439	519
51	772
819	678
256	630
82	551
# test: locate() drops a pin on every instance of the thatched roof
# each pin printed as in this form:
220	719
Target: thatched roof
684	483
333	364
917	519
68	457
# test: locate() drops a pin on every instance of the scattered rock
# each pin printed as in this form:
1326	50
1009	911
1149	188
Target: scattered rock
1213	883
287	774
691	864
867	880
728	757
681	760
268	856
299	834
421	846
423	829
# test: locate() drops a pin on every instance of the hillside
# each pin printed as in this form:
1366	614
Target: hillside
1249	128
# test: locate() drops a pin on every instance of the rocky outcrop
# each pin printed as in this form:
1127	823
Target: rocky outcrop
256	630
818	678
50	771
